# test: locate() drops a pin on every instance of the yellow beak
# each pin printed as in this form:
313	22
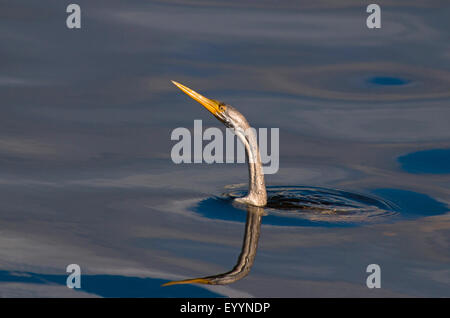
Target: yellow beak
209	104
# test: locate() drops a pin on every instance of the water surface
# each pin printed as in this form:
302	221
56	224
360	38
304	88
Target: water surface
86	175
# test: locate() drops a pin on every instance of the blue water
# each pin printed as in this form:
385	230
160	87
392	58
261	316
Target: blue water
413	204
388	81
435	161
86	175
110	285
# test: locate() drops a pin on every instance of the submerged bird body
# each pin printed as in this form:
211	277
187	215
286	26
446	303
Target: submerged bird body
232	118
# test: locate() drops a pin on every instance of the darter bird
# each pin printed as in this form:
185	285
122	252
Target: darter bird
232	118
255	199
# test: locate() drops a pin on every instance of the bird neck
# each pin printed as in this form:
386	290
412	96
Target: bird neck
257	195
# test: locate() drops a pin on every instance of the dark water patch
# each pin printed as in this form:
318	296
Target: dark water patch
413	204
110	285
435	161
388	81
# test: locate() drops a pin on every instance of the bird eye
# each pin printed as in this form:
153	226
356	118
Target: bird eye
222	108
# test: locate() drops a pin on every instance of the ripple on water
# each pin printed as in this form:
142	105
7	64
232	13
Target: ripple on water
361	81
314	206
305	206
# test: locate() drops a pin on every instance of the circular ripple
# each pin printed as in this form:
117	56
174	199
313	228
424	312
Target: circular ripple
305	206
361	81
326	205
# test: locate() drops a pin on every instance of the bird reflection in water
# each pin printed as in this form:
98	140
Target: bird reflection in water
246	258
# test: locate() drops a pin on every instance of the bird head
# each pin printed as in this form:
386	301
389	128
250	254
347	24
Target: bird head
227	114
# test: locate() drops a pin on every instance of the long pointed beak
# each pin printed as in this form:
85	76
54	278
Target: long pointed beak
188	281
209	104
